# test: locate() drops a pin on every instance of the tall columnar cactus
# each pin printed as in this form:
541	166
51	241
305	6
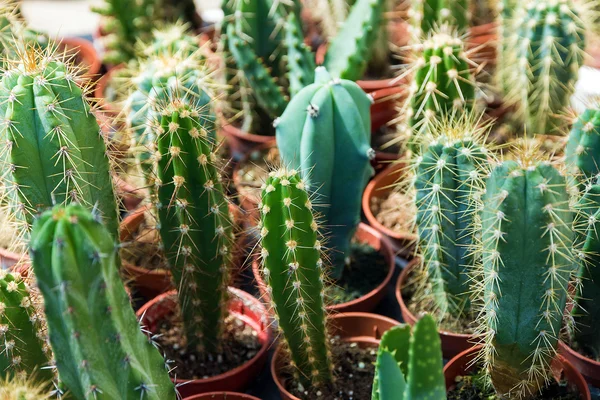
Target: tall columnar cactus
195	225
294	272
449	183
23	388
99	349
54	152
525	272
541	60
583	146
23	349
325	128
409	364
427	15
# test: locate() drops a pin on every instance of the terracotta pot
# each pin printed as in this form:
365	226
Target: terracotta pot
106	106
590	369
222	396
381	186
9	259
482	41
129	194
452	343
85	57
365	303
385	104
463	364
356	327
240	142
246	309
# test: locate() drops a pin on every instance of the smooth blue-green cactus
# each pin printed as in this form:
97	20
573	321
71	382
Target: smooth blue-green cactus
324	130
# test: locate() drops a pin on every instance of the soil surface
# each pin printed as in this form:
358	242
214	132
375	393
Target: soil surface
395	211
239	342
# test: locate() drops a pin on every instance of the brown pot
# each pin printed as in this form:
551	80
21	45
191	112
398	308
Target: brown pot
357	327
380	186
222	396
482	40
8	259
111	109
129	194
240	142
590	369
85	55
385	104
452	343
245	308
463	364
365	303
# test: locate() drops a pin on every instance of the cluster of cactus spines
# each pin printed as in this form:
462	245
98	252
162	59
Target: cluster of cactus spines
540	61
525	270
449	183
54	152
409	364
171	39
583	147
294	270
25	388
195	224
23	347
330	120
99	349
427	15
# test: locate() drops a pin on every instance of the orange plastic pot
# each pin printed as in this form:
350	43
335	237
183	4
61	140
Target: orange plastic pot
222	396
463	364
356	327
590	369
243	307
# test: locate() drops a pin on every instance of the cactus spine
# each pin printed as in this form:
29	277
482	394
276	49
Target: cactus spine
100	351
409	366
427	15
330	120
294	272
23	342
583	146
195	224
21	388
449	184
541	60
54	152
525	272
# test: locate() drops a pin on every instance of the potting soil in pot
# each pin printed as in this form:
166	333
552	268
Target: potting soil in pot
143	249
395	211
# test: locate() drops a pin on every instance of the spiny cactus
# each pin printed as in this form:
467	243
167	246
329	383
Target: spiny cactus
541	60
195	225
54	152
325	128
525	271
427	15
583	146
22	388
409	365
171	39
99	349
294	273
23	348
449	182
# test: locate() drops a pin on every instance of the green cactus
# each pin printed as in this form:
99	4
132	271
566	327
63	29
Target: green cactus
23	346
541	59
294	273
171	39
54	152
195	225
583	146
427	15
409	366
325	128
525	271
99	349
25	388
449	182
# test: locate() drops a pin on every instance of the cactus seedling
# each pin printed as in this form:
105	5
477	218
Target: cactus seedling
195	224
325	128
99	349
294	272
583	146
409	364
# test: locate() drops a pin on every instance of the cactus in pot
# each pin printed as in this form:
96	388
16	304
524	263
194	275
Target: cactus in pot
583	147
525	271
294	273
325	128
100	351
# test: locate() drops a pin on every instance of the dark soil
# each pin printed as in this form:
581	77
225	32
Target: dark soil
583	350
239	343
367	269
354	374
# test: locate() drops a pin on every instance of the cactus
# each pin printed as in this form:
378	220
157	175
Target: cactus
409	366
583	146
171	39
541	60
54	152
449	183
100	351
325	128
23	346
195	225
427	15
294	273
525	271
21	388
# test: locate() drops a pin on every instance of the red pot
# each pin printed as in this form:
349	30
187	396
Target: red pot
362	328
463	364
241	142
590	369
85	55
380	186
365	303
386	102
222	396
452	343
246	309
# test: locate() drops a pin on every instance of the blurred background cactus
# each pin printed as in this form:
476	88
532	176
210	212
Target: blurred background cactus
583	146
325	128
24	388
426	16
